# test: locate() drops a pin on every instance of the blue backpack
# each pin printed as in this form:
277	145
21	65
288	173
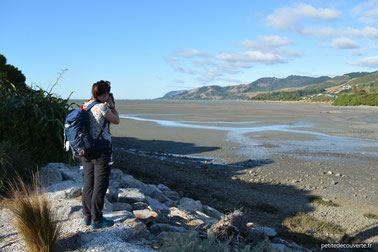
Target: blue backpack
76	132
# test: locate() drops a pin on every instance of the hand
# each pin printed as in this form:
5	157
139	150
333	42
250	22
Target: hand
110	101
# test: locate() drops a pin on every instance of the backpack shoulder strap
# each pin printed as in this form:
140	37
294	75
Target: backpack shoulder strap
91	105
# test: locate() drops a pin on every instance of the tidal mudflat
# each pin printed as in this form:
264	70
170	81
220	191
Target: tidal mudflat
342	140
285	151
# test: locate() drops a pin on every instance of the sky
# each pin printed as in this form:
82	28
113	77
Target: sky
147	48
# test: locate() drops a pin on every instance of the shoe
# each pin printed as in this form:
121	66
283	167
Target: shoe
87	220
102	223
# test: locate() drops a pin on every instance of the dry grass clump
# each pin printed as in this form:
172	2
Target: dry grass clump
34	217
317	200
234	227
371	216
303	223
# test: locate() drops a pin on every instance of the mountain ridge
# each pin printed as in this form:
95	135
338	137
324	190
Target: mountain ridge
261	85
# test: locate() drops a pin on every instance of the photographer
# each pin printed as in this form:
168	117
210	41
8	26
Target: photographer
97	165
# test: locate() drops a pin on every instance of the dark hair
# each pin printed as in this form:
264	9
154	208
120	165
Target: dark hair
99	88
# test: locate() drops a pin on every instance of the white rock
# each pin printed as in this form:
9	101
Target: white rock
130	195
190	205
73	192
49	174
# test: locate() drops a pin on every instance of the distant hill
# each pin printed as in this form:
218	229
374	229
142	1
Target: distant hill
173	93
269	84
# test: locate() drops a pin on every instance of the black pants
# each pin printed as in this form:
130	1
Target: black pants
96	182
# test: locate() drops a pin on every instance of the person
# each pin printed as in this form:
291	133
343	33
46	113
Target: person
97	165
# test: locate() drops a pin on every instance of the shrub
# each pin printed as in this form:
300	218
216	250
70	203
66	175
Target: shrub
34	217
14	159
33	118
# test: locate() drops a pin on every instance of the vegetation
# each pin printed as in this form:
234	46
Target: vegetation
288	95
190	241
320	201
303	223
359	97
35	220
14	159
31	121
371	216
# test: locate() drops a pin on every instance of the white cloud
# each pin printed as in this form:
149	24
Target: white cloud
190	53
344	43
288	18
251	56
274	41
368	12
175	65
366	32
318	31
266	42
367	62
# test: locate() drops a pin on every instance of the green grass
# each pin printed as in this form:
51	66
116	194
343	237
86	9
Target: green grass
319	201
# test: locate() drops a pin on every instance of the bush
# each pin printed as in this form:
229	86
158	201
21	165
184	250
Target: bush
33	118
34	217
14	160
358	98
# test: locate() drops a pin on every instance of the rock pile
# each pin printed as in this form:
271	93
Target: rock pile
141	213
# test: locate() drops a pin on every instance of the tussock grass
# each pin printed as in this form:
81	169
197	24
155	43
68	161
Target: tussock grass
317	200
34	217
303	223
371	216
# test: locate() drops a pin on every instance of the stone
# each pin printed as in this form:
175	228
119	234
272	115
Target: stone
212	212
115	174
138	227
139	206
190	205
49	174
204	217
176	212
111	194
163	187
162	227
172	195
144	214
270	232
154	192
130	181
172	203
119	216
67	174
120	206
338	175
329	172
73	192
107	205
195	222
130	195
155	204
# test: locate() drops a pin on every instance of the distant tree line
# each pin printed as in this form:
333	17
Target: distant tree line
360	97
296	95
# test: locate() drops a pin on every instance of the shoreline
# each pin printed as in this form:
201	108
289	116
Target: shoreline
269	202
